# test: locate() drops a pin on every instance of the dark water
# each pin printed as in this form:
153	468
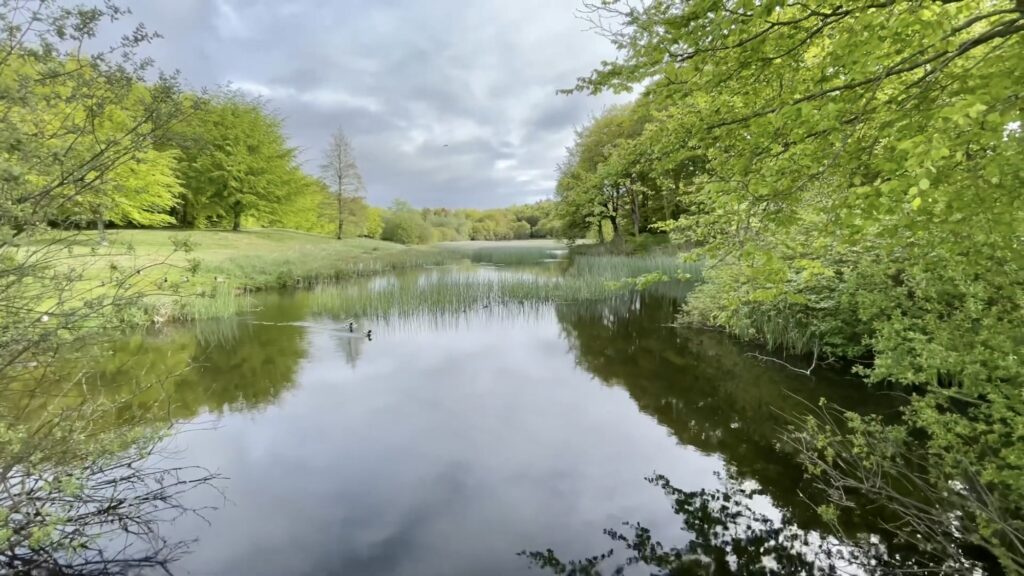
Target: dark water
448	444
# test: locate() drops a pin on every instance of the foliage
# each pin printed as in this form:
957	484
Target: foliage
853	178
79	140
235	161
405	225
513	223
616	172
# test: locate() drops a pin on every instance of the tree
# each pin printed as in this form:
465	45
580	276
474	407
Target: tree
521	231
342	175
858	197
374	222
142	189
404	225
235	161
302	205
599	180
75	478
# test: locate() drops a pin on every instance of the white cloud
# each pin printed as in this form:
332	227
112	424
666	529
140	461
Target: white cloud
404	78
326	98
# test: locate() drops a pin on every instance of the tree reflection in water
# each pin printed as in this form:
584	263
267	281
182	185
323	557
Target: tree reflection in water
714	396
726	535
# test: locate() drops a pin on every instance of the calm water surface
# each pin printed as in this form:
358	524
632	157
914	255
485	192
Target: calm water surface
450	442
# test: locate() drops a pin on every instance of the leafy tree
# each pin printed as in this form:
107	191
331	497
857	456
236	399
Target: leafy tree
235	160
858	196
405	225
140	190
374	222
521	231
302	205
76	131
346	183
596	183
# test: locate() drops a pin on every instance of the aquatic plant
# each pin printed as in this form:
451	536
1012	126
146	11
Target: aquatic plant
456	290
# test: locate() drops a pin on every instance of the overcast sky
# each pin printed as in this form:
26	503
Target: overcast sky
403	78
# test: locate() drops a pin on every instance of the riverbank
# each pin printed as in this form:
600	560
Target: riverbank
198	274
206	273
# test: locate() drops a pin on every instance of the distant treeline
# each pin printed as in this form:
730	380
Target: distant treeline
225	162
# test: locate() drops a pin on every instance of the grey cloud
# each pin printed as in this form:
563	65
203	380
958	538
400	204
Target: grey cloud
403	78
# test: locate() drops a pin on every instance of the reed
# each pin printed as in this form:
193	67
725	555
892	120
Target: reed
315	266
627	267
459	290
515	256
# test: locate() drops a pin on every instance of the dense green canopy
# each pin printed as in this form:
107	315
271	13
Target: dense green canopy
852	175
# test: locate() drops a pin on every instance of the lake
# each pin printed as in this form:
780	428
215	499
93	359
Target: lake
456	438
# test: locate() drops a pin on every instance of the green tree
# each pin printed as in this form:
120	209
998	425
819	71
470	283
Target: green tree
598	182
404	225
235	161
521	231
143	188
858	196
76	133
302	206
374	222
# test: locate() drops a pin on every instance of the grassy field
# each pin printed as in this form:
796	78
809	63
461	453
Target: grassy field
261	259
221	266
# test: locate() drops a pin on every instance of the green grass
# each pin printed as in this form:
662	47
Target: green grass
232	265
249	257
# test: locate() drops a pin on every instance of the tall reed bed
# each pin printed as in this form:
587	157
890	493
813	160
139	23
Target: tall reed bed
515	256
315	266
461	290
630	267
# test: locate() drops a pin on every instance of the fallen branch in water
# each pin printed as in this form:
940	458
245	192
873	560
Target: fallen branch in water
814	361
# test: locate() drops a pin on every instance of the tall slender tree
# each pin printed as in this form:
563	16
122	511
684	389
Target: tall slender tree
341	172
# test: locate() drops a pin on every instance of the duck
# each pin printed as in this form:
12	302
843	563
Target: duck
369	334
351	326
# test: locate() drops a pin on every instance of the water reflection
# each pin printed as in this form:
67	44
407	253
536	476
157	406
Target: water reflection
460	435
708	391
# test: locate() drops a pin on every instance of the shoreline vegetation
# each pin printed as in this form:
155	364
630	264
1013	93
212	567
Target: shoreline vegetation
207	274
225	283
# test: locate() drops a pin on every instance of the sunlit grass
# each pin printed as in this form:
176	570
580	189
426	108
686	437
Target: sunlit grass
220	271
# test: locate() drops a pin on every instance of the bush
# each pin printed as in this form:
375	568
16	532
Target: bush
406	228
521	231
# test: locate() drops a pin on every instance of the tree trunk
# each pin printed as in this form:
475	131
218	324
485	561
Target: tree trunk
101	227
635	213
341	217
238	220
615	227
